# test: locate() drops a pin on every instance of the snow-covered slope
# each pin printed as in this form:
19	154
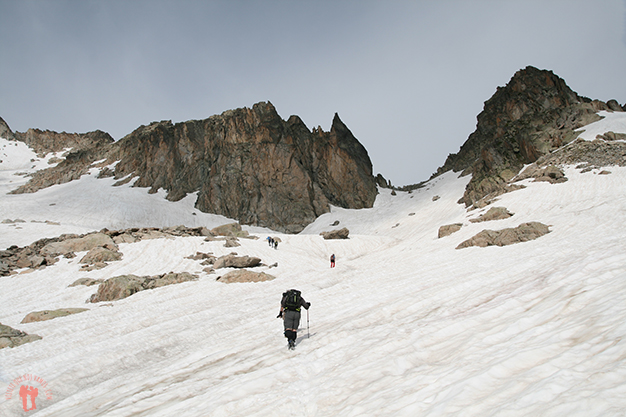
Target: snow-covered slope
405	325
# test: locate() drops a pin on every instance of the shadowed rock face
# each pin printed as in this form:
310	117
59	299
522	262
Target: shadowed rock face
246	164
534	114
250	165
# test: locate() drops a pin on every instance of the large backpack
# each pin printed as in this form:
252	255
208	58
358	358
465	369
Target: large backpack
293	300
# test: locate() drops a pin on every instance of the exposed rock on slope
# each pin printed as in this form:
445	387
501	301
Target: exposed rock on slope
494	213
250	165
51	314
534	114
448	229
246	164
245	276
10	337
336	234
46	251
522	233
45	141
124	286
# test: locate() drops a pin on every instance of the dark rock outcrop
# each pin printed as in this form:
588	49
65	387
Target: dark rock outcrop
250	165
246	164
534	114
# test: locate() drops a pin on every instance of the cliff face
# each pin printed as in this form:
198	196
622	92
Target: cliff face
250	165
535	113
246	164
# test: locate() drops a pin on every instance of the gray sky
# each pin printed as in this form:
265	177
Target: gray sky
407	77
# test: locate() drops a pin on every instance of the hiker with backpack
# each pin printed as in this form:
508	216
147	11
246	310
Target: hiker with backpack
332	260
290	306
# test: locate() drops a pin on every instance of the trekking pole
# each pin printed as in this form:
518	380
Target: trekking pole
308	335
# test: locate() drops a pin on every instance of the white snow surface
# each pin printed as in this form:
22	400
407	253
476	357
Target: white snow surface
405	325
611	121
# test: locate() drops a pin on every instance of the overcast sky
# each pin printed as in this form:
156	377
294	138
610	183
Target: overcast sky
407	77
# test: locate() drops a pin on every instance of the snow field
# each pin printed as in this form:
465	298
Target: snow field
405	324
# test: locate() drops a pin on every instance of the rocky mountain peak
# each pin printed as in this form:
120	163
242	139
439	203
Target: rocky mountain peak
533	115
529	91
247	164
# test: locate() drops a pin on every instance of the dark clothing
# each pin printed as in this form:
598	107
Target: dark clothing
291	318
303	303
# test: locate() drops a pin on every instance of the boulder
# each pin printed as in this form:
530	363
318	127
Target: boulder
93	267
51	314
168	279
151	234
125	238
101	255
117	288
233	261
336	234
126	285
229	230
10	337
449	229
199	256
494	213
522	233
88	282
245	276
81	244
551	174
231	242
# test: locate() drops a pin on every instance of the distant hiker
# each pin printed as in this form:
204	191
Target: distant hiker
270	241
332	260
290	306
276	244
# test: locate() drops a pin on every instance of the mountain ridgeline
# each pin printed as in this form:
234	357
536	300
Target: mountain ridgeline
245	164
253	166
